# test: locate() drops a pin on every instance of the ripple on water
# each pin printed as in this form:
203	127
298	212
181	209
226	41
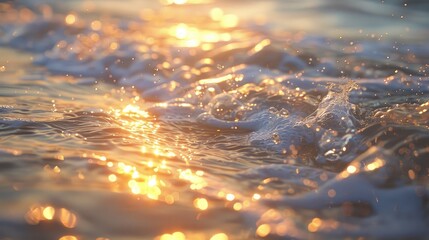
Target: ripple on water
221	131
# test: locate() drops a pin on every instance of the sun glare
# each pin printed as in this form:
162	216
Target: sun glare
183	2
190	36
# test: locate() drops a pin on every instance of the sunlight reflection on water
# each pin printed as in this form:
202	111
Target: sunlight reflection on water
187	121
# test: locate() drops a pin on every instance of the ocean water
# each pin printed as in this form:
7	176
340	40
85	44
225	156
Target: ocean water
204	119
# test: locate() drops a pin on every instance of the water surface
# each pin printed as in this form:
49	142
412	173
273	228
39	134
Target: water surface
214	120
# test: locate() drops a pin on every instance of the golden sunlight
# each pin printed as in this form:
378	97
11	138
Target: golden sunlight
201	203
68	237
213	119
187	35
67	218
263	230
377	163
48	212
150	177
36	214
219	236
351	169
70	19
182	2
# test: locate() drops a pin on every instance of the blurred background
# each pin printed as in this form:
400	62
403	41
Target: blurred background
367	18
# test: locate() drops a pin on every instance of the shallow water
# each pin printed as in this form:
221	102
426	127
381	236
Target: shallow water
214	120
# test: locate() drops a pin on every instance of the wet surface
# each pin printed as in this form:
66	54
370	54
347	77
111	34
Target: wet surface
198	120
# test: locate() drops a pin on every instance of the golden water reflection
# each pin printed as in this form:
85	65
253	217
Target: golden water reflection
39	213
161	169
189	36
183	236
154	174
68	237
164	172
